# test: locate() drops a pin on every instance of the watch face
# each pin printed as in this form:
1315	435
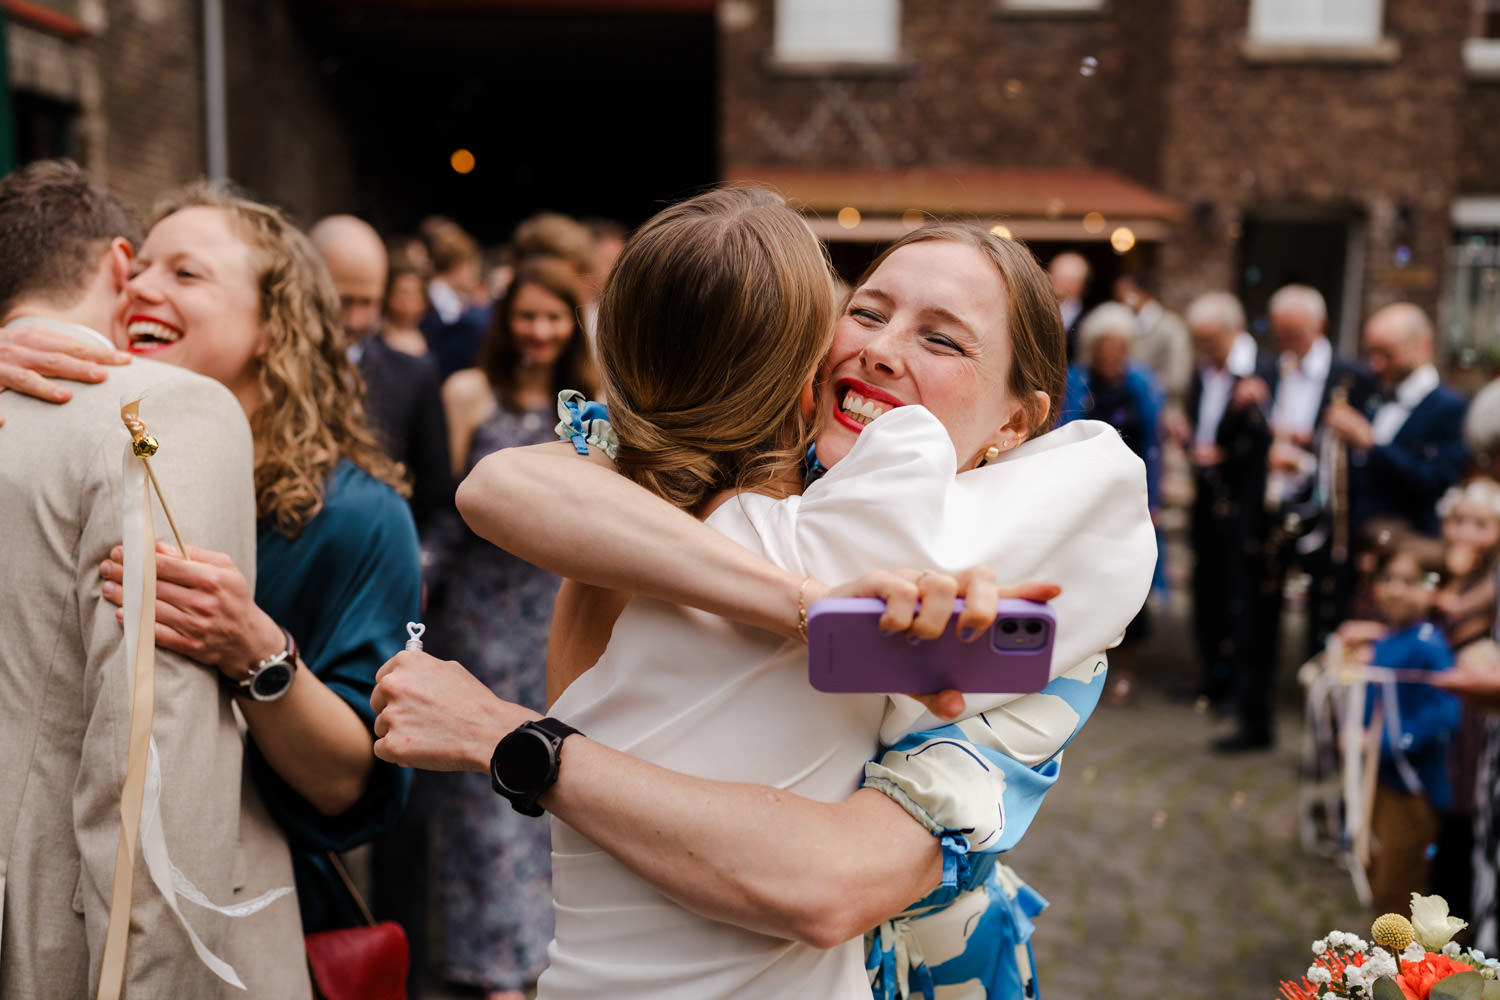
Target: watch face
522	762
272	682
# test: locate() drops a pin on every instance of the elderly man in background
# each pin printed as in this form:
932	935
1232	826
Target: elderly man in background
1299	527
1226	447
1069	274
1406	456
404	399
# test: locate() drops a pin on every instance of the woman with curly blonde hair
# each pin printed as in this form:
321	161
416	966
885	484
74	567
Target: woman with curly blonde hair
230	289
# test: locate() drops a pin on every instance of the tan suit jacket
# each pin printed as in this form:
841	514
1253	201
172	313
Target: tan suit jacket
65	706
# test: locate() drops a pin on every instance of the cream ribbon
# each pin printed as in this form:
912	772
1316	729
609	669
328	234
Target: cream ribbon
140	803
1337	688
139	542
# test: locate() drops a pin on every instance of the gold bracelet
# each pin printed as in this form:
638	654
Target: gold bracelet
802	608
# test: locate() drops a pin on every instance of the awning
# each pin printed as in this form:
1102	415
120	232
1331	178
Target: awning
1064	204
536	6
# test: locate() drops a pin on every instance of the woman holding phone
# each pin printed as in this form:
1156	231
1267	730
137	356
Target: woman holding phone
718	314
704	393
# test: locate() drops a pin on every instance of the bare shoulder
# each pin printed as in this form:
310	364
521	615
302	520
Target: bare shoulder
467	387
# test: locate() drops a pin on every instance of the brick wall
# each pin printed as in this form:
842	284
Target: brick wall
1173	102
288	144
1360	138
150	109
972	88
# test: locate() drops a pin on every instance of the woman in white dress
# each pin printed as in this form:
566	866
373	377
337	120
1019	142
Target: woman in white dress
738	798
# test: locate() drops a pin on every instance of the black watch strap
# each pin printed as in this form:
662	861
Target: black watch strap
522	785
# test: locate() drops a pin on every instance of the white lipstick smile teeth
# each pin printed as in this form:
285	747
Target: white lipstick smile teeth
147	331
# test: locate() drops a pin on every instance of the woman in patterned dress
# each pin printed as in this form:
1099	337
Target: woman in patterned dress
491	611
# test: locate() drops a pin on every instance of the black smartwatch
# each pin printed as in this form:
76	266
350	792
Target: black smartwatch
525	763
272	677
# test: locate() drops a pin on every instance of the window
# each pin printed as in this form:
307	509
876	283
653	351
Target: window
838	31
1316	22
1049	6
1482	47
1469	314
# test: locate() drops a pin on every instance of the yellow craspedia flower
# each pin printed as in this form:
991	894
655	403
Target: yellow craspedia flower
1393	932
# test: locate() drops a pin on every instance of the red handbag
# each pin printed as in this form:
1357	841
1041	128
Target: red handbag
358	963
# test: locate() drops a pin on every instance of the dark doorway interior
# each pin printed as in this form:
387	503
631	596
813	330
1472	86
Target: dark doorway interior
609	114
1279	249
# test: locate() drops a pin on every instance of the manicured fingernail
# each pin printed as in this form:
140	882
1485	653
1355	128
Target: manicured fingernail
968	634
886	633
913	640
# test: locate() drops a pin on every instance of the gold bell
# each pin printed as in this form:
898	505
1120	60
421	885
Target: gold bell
144	446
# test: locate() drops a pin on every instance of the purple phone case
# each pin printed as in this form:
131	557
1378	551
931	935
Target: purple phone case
846	652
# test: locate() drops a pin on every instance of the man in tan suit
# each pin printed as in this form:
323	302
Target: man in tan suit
64	686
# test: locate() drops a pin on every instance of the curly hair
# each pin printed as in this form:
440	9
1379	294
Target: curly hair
712	321
313	410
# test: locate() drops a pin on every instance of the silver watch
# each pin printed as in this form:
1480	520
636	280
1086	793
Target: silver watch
272	677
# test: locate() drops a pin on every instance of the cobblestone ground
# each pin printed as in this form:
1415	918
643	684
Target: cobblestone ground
1173	871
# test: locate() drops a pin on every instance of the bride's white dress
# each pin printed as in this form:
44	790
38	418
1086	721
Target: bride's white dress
696	694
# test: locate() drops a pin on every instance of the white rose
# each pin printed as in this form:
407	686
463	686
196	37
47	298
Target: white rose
1429	918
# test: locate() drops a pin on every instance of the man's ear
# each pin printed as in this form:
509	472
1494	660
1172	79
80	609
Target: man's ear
121	256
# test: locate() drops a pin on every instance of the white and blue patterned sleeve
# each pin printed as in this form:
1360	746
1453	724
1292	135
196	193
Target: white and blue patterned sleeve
983	777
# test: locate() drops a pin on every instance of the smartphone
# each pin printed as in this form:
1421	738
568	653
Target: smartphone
846	652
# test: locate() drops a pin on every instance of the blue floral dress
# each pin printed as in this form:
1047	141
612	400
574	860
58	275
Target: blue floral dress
491	612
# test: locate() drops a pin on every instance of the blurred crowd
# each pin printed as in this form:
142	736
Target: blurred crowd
1352	495
1357	493
464	352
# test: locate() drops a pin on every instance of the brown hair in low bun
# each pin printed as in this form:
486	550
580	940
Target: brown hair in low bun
714	317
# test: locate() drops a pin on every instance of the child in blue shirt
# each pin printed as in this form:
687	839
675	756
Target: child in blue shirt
1417	723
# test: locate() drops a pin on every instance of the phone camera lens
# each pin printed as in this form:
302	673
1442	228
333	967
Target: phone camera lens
1009	626
1033	627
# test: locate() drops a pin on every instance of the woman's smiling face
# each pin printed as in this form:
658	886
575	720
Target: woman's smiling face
193	301
928	327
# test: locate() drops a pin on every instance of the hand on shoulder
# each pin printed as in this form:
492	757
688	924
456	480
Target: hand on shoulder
31	357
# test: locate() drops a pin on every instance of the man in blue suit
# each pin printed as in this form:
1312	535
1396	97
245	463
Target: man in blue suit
1404	456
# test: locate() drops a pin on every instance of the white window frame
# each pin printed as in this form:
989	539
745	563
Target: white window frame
1049	6
1320	23
1469	312
837	32
1482	51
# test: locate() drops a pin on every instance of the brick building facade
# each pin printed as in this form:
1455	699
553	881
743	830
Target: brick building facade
119	86
1343	160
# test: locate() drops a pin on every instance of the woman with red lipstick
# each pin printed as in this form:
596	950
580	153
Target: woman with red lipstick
491	610
736	802
230	289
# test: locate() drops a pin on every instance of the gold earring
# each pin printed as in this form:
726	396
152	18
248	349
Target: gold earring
990	454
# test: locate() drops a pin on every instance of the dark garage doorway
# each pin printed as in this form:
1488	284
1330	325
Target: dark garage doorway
609	114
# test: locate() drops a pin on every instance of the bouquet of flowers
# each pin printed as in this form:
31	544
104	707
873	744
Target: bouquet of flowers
1414	959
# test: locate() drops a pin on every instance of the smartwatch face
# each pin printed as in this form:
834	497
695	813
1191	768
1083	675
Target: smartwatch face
271	682
522	761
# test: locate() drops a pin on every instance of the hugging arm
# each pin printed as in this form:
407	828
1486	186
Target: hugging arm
646	546
31	357
749	855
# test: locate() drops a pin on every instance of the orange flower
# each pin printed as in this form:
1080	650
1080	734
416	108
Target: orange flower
1417	978
1303	989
